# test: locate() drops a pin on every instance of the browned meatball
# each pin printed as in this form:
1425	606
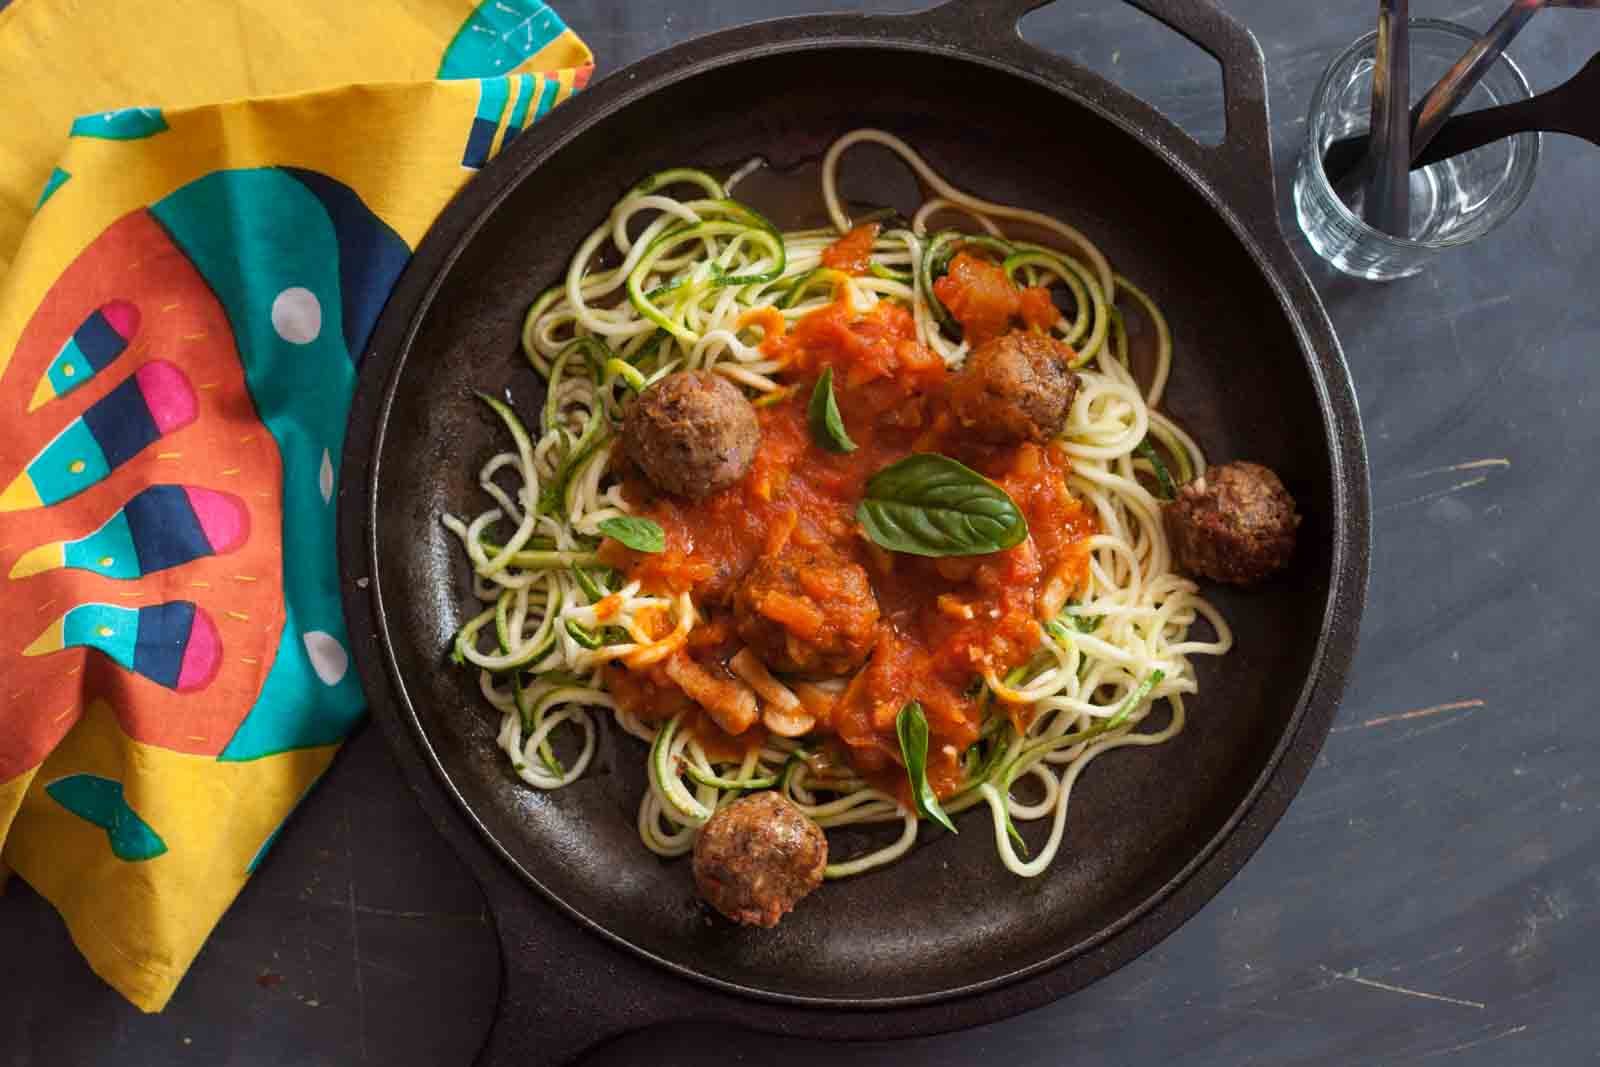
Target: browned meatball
809	611
1235	523
692	433
756	858
1015	388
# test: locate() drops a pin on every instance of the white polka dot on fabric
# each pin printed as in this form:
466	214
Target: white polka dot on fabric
297	315
328	657
325	477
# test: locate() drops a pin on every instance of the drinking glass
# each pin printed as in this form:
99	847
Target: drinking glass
1452	202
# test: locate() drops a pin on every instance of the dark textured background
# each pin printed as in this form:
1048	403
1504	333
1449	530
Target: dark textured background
1434	893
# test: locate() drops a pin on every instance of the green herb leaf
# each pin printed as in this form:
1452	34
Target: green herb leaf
1166	490
930	505
827	426
912	727
641	535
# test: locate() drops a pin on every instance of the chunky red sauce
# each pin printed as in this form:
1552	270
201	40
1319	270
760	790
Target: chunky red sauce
985	301
944	621
852	253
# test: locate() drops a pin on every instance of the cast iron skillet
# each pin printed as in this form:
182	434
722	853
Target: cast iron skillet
598	935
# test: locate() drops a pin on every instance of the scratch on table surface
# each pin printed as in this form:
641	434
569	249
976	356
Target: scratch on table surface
391	913
1454	468
1418	713
388	968
1474	1044
1435	495
355	936
1482	305
1139	989
1353	976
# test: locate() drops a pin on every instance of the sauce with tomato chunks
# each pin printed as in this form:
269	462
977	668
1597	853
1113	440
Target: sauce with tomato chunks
852	253
984	300
944	621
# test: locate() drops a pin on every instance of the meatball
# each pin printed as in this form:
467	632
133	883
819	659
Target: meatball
692	433
1235	524
1017	387
756	858
807	611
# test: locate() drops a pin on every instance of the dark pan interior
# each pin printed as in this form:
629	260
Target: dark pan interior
949	916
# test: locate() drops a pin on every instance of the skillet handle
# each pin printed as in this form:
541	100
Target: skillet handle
1240	166
562	993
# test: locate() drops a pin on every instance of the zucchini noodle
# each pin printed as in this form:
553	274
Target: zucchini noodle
664	283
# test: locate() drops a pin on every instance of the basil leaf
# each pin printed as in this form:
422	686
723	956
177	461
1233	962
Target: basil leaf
1164	486
827	426
930	505
641	535
912	728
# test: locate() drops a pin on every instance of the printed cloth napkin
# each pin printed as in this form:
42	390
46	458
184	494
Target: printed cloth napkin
186	291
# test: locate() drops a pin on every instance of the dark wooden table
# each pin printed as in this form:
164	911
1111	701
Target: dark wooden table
1433	893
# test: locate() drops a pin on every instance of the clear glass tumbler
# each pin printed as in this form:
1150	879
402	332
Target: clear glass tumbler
1452	202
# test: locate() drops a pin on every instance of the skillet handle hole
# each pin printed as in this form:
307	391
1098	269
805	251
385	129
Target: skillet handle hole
1140	54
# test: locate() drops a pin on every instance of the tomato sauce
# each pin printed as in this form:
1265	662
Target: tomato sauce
944	621
984	300
852	253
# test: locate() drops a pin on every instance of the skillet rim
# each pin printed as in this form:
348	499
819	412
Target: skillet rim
1221	856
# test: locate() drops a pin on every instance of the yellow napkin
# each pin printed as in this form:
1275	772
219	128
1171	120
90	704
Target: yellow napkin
199	222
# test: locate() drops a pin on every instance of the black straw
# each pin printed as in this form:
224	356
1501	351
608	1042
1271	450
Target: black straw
1388	204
